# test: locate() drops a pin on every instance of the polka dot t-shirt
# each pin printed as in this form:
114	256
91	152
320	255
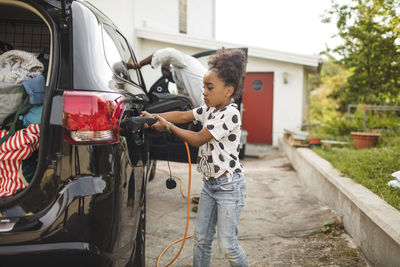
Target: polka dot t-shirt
221	154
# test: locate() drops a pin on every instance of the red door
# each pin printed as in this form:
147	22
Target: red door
257	107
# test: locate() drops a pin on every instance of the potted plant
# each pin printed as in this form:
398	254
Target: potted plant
314	141
363	140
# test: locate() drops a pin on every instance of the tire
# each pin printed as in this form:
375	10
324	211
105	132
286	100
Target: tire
152	169
140	242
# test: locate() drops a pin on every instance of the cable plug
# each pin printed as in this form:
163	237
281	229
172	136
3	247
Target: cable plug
170	183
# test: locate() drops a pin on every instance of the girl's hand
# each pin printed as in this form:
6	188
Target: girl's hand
160	125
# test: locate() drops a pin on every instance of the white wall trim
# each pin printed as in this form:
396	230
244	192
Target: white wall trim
183	39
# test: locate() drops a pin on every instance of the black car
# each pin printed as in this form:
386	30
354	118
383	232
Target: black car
85	203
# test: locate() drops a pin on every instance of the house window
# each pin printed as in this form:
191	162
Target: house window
257	85
182	16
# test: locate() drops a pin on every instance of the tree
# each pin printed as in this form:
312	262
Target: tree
371	51
332	77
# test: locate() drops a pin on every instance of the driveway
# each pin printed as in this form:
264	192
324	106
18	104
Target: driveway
280	223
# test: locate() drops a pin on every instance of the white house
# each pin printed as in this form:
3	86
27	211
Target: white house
276	83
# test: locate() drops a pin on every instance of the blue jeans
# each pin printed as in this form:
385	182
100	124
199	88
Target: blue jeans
219	211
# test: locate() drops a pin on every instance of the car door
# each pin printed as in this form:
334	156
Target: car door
164	146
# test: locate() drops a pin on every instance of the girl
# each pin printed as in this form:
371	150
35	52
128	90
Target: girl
224	188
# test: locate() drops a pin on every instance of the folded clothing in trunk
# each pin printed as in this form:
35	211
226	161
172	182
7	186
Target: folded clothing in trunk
15	149
17	66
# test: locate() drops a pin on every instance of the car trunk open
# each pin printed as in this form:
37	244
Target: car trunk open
29	33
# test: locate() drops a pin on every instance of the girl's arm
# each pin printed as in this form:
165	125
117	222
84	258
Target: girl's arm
174	116
193	138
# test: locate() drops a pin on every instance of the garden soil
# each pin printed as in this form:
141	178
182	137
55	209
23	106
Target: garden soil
282	224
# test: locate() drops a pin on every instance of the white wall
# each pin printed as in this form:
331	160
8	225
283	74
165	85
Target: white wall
161	16
120	12
305	102
201	18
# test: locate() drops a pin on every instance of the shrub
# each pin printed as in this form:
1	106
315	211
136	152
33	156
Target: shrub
340	127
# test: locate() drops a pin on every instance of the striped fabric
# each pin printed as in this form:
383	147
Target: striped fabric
15	149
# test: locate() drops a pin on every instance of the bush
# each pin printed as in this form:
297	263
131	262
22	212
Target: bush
337	128
340	127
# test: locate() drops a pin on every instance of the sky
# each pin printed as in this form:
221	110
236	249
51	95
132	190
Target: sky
286	25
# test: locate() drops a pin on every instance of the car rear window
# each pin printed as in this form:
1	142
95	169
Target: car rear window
116	49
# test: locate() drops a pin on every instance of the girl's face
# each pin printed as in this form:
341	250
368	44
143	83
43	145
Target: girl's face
216	93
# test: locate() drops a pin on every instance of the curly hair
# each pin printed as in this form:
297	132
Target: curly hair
230	65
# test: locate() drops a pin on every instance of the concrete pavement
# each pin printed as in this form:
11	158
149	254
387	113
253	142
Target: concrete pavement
280	223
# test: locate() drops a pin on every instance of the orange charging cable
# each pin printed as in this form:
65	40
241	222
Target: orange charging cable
187	217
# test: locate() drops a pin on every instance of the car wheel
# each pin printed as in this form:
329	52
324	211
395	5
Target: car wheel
152	171
140	242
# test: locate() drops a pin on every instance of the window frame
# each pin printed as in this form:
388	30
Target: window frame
137	73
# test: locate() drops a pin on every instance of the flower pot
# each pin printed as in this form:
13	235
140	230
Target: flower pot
364	140
314	142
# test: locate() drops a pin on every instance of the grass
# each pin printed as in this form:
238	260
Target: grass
370	167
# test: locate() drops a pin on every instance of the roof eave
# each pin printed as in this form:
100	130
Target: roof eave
183	39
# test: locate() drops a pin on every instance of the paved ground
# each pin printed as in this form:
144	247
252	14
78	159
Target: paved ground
280	224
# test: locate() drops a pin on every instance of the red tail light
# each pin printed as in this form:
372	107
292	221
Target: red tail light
92	117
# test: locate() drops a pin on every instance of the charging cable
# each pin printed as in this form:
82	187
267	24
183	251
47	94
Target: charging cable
183	239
